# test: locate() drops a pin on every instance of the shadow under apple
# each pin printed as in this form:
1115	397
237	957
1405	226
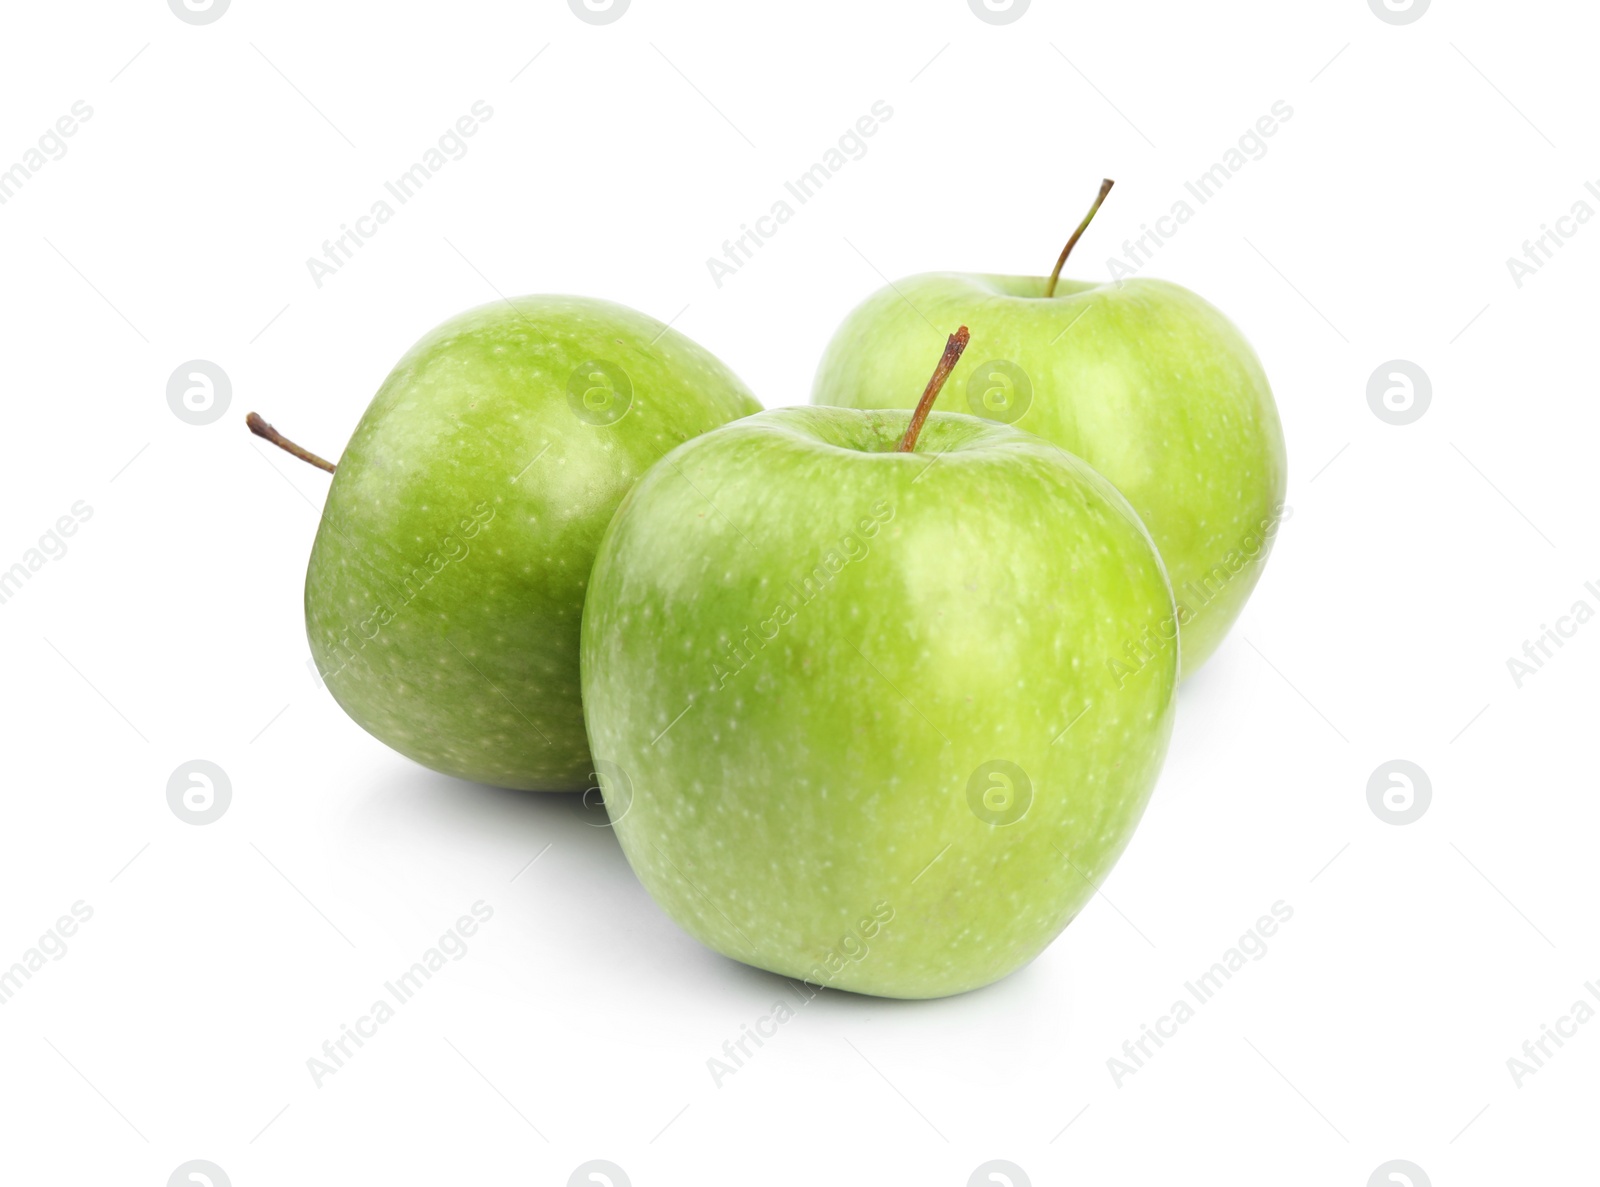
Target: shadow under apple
571	916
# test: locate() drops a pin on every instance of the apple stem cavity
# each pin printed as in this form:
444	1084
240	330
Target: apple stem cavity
947	363
1105	188
267	433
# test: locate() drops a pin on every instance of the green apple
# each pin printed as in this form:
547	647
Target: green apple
1142	379
852	707
446	584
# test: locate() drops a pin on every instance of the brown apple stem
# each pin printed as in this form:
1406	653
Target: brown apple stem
947	363
1105	188
265	431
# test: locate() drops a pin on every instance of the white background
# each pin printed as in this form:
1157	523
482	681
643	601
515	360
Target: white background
1417	560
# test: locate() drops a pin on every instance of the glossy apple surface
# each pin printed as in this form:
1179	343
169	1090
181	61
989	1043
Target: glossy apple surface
446	584
1144	380
852	709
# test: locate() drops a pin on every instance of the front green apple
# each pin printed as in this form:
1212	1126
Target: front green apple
858	714
1142	379
446	584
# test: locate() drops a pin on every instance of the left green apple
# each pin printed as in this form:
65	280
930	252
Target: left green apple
446	584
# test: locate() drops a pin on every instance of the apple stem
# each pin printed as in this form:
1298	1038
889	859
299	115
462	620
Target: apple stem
265	431
1105	188
947	363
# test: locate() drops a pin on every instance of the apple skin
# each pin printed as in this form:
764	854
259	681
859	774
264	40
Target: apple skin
1142	379
790	778
446	583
